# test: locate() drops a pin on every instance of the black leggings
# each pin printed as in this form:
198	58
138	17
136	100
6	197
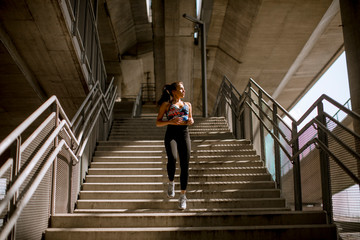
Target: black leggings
177	143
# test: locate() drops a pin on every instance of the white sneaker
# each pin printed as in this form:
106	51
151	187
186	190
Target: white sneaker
171	190
182	202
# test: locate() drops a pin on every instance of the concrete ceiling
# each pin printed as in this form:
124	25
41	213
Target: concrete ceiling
37	61
130	27
277	43
283	45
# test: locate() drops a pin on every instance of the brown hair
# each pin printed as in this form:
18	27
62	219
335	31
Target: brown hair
167	92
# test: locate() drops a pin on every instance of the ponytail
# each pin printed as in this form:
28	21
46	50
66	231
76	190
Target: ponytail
167	92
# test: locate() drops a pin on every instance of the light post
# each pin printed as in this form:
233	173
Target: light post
201	24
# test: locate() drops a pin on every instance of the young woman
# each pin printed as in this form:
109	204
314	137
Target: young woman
177	138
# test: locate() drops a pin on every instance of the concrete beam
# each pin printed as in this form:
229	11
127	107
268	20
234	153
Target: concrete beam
328	16
29	76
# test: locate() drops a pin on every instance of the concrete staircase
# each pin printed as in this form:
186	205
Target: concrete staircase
230	193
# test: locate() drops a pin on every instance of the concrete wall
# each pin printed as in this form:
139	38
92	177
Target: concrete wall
174	35
133	75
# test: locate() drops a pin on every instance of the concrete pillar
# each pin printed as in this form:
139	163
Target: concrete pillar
350	14
158	15
173	44
179	43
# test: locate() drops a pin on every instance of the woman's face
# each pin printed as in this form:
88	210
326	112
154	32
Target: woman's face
180	91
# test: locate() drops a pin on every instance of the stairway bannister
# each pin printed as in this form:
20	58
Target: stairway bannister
293	144
54	139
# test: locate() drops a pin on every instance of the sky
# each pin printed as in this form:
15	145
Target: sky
198	7
334	83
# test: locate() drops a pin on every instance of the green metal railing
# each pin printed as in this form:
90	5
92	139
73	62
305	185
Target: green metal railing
45	171
335	164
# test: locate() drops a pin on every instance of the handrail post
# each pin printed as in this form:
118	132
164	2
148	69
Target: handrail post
54	168
233	115
241	122
203	69
250	114
276	149
324	166
222	105
262	137
70	210
296	171
14	173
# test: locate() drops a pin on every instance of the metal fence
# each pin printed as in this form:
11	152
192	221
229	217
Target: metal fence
146	94
43	173
315	160
81	19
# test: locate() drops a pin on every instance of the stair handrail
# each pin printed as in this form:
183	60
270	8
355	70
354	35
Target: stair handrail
103	103
24	125
246	101
136	111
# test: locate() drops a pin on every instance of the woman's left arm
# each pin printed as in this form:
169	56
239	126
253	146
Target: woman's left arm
190	120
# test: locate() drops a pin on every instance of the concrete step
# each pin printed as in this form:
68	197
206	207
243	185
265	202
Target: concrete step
205	158
198	152
157	194
162	178
159	136
129	159
187	219
152	127
194	164
164	203
161	170
195	148
200	142
156	130
152	124
145	129
313	232
191	210
131	153
152	121
197	119
191	185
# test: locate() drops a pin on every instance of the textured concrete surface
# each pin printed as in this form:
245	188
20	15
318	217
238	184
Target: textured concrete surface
283	45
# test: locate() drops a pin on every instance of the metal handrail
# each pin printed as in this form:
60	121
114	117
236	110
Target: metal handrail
30	120
26	172
8	164
137	104
104	103
333	102
252	96
275	138
273	100
29	193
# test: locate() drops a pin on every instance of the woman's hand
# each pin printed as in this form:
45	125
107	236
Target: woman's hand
177	121
190	121
181	121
